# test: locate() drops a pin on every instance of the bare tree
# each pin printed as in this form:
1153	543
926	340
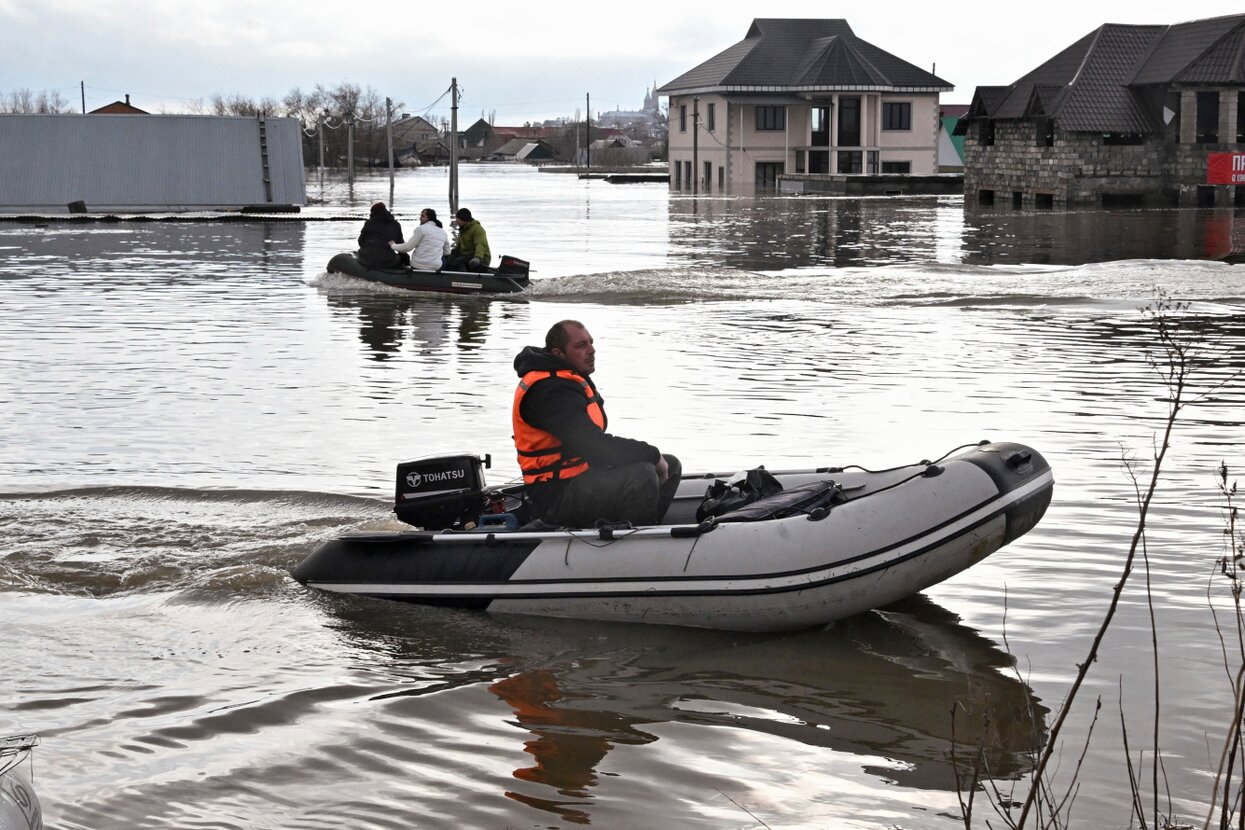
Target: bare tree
41	102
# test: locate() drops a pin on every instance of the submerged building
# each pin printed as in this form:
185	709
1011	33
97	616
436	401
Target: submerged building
801	96
143	163
1126	115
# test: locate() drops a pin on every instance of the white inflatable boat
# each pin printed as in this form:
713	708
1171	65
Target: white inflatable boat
19	806
833	542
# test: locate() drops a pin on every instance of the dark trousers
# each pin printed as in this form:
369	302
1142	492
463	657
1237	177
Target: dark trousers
461	262
612	494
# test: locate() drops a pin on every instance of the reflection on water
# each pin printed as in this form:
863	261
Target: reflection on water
426	324
882	687
773	232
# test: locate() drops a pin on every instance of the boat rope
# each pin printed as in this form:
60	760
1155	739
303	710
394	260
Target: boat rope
930	471
16	749
980	443
601	536
923	462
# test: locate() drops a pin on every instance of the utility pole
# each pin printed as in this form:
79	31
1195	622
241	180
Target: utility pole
350	148
320	138
453	146
389	141
588	132
82	87
695	143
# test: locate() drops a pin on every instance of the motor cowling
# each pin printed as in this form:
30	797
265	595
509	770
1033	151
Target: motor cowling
440	492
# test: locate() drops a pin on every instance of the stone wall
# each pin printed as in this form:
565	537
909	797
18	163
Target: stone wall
1080	168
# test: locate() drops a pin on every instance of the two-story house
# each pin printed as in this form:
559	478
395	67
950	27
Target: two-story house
800	96
1126	115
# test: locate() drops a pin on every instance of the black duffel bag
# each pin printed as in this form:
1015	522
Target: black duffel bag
723	497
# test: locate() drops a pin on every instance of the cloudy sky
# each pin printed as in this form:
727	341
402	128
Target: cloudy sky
519	61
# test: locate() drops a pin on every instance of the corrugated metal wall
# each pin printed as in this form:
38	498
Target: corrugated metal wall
146	162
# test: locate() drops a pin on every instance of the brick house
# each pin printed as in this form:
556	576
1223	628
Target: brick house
800	96
1126	115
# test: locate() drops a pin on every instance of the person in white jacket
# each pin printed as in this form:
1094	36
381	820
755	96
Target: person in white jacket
428	243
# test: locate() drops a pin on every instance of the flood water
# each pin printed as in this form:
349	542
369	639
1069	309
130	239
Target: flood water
187	408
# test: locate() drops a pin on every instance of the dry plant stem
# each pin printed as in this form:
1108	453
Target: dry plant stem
1154	644
1228	566
966	807
1176	383
1065	804
1133	787
745	809
1229	745
1235	741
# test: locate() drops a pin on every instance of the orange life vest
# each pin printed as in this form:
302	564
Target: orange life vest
540	453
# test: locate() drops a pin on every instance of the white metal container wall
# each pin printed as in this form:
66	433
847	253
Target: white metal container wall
146	162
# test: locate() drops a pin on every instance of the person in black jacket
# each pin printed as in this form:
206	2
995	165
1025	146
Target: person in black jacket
379	230
575	473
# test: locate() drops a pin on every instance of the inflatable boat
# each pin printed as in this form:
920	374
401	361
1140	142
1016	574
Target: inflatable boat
510	276
812	547
19	806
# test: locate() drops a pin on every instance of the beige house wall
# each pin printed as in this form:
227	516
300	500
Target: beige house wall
735	146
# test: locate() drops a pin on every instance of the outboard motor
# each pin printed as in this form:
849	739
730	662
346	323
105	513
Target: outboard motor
439	492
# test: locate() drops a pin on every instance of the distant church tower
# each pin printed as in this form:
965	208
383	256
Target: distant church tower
651	103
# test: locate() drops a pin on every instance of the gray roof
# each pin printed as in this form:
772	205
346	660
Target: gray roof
816	54
512	147
1102	82
147	162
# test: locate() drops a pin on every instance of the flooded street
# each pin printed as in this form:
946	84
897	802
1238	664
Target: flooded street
187	408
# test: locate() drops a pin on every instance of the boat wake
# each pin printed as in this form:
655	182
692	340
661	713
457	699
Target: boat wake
104	541
1127	284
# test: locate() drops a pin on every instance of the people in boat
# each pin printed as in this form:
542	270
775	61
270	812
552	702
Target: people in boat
429	243
379	230
575	473
470	251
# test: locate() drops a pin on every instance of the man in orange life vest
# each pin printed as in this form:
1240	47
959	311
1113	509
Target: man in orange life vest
577	474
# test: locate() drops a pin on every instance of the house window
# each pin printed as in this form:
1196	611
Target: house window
986	133
849	121
721	179
850	161
712	117
820	132
771	118
900	167
682	118
678	175
687	173
1207	118
708	175
896	115
819	161
1046	132
767	173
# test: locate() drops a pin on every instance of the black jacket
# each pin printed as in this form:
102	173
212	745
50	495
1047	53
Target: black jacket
378	231
558	406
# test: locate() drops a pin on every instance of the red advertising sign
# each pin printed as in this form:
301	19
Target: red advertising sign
1225	168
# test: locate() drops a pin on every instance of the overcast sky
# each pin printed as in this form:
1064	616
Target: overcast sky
521	61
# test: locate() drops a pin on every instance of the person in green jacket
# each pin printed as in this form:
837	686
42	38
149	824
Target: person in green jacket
470	252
